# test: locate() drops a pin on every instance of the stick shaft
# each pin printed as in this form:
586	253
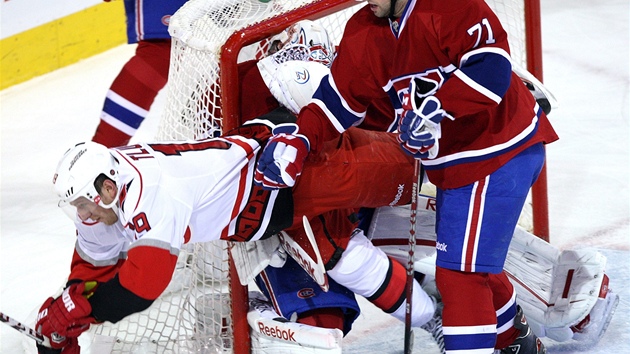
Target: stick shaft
21	328
418	176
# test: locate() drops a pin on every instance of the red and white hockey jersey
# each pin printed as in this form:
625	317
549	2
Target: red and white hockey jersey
460	45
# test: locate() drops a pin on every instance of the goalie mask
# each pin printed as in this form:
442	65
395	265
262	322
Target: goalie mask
294	82
75	176
305	40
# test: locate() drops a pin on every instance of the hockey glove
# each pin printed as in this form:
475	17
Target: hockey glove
71	346
67	316
419	123
282	160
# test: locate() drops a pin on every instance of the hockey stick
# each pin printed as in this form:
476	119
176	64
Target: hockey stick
418	174
22	328
314	268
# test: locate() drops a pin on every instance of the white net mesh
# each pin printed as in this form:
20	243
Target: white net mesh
194	314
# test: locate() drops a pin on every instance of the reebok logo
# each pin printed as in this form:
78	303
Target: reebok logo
276	332
399	192
67	300
440	246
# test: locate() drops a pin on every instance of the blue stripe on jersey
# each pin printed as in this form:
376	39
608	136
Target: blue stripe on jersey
469	341
490	70
476	158
507	316
393	96
122	114
331	99
149	19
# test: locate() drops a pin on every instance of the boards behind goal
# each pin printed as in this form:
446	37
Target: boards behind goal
204	310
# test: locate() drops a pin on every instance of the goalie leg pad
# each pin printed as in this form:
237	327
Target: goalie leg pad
272	334
592	328
353	165
389	230
556	289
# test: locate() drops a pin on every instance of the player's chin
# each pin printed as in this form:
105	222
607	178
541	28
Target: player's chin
378	11
109	219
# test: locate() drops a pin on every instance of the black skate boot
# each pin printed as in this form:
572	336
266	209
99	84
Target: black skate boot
434	326
527	342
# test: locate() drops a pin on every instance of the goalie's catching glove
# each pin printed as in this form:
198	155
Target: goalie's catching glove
419	123
282	160
66	317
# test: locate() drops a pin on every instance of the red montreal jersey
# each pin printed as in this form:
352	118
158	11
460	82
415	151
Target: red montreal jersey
462	47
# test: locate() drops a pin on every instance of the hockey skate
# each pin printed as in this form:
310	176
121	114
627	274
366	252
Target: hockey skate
434	327
526	342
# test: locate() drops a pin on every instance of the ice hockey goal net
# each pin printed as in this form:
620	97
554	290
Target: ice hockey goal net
204	309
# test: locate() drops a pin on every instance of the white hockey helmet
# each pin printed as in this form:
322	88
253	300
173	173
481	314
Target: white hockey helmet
294	82
304	40
76	172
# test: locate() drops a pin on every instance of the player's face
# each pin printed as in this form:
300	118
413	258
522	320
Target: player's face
86	209
381	8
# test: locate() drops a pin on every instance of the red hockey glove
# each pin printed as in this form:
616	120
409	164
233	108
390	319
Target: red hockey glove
419	123
282	160
66	316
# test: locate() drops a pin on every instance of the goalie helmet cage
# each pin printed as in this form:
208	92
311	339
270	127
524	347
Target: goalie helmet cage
204	309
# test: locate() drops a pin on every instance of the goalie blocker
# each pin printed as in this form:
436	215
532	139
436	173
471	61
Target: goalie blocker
564	294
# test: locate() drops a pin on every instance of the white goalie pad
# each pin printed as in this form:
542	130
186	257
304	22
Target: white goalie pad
390	226
273	334
250	258
556	289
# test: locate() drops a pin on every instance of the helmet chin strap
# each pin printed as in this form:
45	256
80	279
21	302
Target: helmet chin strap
392	8
113	205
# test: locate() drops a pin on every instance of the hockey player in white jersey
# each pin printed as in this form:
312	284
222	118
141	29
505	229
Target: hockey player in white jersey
168	194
